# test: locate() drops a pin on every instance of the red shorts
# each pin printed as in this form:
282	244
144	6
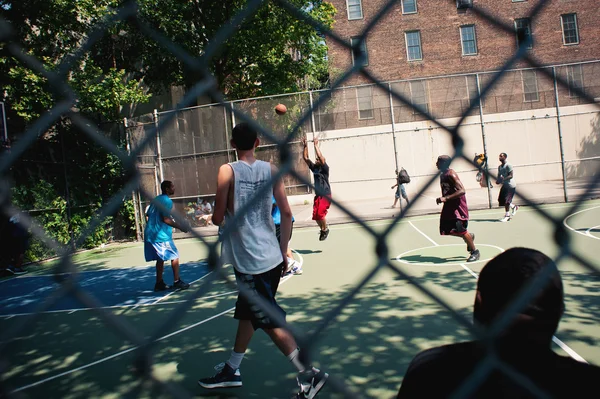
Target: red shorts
320	207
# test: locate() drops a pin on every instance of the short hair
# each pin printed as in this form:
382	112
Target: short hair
504	154
444	161
244	136
165	184
507	274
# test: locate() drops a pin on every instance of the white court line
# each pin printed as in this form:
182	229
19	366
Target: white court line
588	231
354	225
283	280
563	346
172	292
70	311
424	235
577	231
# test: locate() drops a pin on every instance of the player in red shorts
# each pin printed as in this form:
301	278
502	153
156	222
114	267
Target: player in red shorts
322	201
455	213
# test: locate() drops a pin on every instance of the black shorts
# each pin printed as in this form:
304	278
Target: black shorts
278	231
506	195
262	285
453	227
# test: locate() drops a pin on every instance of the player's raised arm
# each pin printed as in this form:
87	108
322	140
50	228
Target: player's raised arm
318	151
305	152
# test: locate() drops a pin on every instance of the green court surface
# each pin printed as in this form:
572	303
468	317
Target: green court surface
72	353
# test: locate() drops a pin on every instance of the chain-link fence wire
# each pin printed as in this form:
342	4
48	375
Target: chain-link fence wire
66	272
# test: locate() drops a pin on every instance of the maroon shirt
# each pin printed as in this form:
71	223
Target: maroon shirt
455	208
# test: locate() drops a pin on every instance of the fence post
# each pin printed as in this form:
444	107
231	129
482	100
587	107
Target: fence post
313	127
232	126
158	151
226	134
394	133
136	206
487	180
560	139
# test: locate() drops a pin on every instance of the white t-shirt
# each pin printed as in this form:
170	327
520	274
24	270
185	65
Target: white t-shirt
505	170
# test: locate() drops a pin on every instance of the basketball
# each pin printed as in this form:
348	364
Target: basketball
280	109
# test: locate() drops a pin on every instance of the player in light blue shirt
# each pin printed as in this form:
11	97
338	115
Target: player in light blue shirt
158	237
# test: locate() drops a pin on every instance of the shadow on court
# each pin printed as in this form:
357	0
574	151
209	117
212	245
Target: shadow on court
307	251
112	287
430	259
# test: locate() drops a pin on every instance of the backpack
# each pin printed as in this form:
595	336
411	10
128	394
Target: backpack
403	176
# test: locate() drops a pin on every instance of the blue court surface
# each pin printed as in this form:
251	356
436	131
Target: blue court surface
112	287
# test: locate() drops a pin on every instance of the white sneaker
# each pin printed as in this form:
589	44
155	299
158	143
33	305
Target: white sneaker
505	219
297	269
514	210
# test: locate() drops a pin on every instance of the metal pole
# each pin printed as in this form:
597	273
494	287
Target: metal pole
560	139
136	208
226	134
313	127
485	152
394	135
158	151
232	126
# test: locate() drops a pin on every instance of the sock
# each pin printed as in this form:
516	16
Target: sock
294	357
235	359
512	206
507	214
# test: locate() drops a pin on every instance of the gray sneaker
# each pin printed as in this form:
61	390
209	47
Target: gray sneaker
474	256
310	383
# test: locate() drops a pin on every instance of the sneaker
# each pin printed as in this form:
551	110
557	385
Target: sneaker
161	286
514	210
310	383
296	269
505	219
16	270
180	285
226	377
323	235
474	256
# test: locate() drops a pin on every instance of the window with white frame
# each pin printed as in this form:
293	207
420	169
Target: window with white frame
354	9
530	86
569	28
409	6
523	30
413	45
575	79
364	96
359	51
418	94
468	40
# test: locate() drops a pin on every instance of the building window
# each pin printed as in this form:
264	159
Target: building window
569	28
418	94
365	102
523	29
409	6
354	9
413	45
530	86
574	79
467	38
464	4
359	51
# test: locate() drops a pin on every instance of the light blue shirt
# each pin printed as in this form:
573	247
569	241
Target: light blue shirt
276	213
156	229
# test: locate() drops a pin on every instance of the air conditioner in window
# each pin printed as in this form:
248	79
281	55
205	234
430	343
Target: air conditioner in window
463	4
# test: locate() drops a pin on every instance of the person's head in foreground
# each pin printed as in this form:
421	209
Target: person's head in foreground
504	277
244	137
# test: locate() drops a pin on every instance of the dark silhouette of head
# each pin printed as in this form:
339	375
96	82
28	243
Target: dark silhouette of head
167	187
443	162
504	277
244	137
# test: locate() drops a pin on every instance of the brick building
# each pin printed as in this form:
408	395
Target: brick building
424	38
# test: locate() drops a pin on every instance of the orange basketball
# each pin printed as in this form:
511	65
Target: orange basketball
280	109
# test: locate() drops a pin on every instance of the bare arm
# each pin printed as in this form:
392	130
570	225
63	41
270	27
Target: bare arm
286	217
169	220
224	179
305	152
318	151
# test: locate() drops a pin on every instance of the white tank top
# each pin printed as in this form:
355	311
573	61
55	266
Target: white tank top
252	246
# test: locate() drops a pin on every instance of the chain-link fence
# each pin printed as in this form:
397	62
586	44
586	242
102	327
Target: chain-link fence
193	142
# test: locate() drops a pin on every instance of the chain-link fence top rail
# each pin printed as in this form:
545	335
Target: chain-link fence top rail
66	271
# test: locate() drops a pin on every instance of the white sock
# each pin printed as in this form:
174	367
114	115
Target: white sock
512	206
294	357
507	214
235	359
